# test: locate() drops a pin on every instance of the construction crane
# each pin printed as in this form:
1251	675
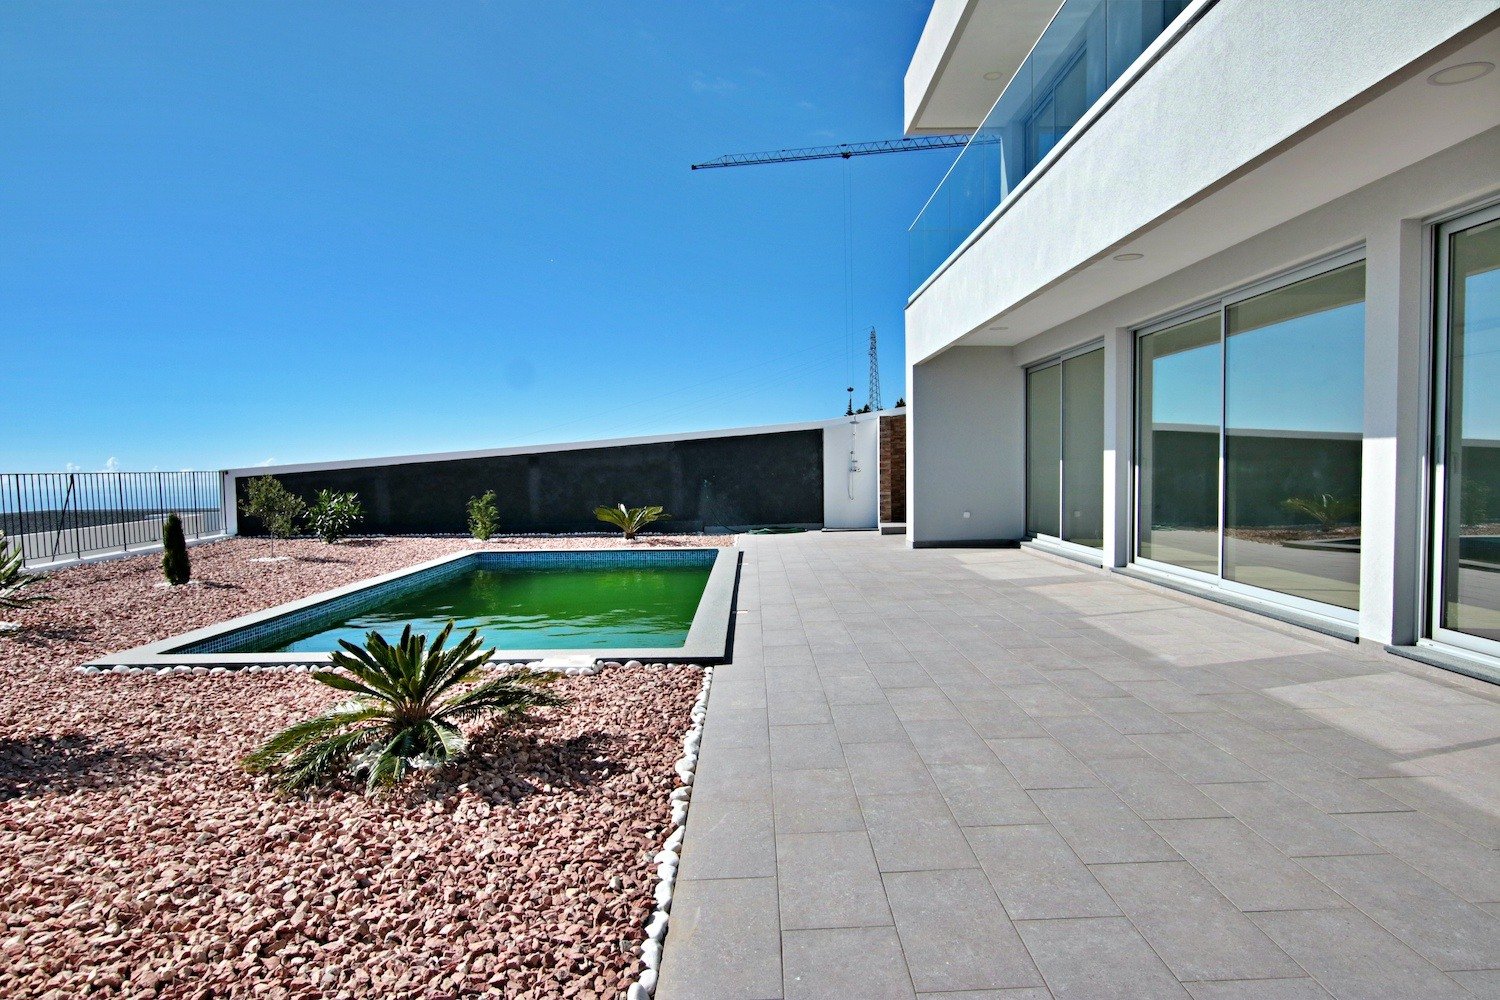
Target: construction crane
842	151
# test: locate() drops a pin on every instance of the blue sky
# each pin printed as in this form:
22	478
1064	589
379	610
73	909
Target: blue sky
240	232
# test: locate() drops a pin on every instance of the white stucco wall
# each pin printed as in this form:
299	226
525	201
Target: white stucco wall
1253	80
966	447
1389	219
851	472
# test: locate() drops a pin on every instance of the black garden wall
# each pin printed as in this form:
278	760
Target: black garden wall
735	481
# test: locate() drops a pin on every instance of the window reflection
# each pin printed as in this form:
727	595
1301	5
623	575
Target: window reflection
1065	450
1043	449
1294	421
1179	372
1471	526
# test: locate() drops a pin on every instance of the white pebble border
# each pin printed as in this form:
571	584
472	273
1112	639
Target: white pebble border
666	859
178	670
686	766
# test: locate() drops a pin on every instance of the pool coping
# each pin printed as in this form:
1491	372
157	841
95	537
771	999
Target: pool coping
707	639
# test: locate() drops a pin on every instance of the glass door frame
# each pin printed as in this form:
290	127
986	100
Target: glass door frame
1220	305
1056	360
1435	512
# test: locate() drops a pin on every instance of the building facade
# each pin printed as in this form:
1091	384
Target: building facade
1212	297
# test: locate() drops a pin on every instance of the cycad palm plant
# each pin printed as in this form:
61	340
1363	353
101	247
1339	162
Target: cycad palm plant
409	701
13	577
629	519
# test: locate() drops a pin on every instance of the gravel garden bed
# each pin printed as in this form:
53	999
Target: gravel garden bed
136	858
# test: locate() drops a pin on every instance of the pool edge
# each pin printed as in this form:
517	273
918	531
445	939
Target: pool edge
707	639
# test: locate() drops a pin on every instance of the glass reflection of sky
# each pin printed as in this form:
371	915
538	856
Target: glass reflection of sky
1278	377
1481	402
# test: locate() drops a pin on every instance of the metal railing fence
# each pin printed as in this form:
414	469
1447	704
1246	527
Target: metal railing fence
58	517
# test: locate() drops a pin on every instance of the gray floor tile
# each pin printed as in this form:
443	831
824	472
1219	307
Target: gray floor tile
1485	984
829	880
804	748
1042	763
1245	868
1153	791
815	801
955	934
1440	799
899	675
1100	828
860	689
1045	700
797	707
1090	738
1324	786
1353	958
1259	989
1448	931
867	723
1192	927
887	769
1290	824
723	942
1102	958
728	838
921	704
915	832
948	741
1196	759
840	964
994	716
1436	850
1036	874
983	794
741	773
1133	717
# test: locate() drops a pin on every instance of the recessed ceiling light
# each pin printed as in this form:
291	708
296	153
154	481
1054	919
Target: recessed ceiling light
1129	256
1460	73
993	75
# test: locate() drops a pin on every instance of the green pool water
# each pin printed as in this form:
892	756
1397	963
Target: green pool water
619	607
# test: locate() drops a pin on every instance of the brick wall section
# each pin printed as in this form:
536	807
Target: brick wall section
893	467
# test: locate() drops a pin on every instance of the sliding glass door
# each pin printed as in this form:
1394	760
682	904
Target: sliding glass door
1065	449
1250	419
1466	534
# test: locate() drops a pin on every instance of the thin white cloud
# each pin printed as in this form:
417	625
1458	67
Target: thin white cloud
269	461
713	85
113	465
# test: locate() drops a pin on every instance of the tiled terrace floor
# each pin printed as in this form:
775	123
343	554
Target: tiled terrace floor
989	774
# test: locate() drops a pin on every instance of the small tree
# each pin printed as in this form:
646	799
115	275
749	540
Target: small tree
630	520
277	507
175	565
333	515
484	519
13	577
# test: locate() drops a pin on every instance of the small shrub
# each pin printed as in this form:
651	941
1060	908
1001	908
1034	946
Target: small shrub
408	702
484	519
278	508
175	565
630	520
334	515
1328	510
13	577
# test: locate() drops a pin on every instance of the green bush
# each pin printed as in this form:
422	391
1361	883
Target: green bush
408	703
334	515
629	519
175	565
484	519
13	577
277	507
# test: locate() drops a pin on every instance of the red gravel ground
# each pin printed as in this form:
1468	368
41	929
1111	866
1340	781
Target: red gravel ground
137	859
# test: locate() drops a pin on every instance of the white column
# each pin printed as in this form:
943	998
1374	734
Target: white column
1395	441
1119	446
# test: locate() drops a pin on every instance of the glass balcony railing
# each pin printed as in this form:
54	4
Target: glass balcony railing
1085	49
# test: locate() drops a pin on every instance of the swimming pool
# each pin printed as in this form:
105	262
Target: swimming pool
528	605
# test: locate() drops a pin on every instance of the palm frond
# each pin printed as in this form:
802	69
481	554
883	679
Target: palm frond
298	735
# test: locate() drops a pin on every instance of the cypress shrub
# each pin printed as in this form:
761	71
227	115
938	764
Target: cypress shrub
174	558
